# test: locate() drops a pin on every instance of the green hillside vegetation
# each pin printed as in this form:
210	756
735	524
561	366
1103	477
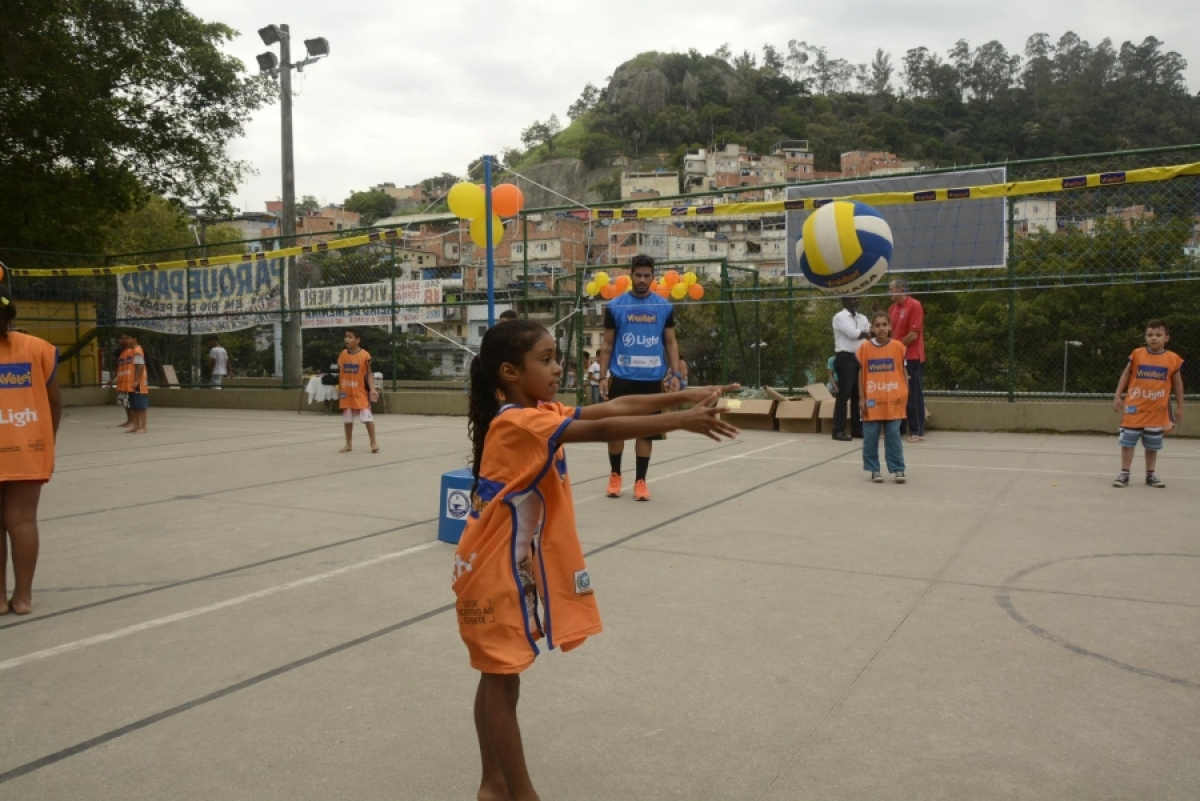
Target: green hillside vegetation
972	105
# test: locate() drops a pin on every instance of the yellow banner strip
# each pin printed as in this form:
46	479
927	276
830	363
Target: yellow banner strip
217	261
985	192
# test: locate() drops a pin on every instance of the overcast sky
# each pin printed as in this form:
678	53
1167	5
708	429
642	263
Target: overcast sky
413	89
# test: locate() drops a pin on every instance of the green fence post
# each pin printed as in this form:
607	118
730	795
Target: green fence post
392	327
1012	305
187	298
75	381
791	334
525	265
724	321
580	367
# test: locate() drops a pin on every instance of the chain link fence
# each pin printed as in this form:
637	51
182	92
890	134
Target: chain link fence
1085	270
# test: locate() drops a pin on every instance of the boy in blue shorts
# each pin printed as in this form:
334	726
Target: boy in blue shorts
1149	378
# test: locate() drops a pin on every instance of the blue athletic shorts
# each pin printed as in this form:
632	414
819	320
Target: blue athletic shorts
140	402
1152	438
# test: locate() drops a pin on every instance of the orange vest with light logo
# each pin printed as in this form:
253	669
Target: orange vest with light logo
27	366
1148	396
884	384
353	369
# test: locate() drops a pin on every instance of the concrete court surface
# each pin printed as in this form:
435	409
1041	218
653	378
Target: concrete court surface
227	608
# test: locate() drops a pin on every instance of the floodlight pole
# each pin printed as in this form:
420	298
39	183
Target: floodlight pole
293	347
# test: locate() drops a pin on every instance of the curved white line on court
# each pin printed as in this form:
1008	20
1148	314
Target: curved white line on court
202	610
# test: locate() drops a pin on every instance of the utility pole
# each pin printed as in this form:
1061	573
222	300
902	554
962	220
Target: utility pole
293	347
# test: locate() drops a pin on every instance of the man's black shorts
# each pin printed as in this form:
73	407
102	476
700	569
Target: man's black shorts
620	387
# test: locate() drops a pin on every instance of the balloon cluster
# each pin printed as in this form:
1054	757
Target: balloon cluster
469	202
673	286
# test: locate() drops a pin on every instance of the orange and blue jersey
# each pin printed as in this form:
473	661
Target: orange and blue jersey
519	572
1148	394
885	388
353	377
27	366
125	370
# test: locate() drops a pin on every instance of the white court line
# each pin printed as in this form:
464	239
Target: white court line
653	479
162	621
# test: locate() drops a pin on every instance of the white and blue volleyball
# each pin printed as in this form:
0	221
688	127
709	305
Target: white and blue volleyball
844	247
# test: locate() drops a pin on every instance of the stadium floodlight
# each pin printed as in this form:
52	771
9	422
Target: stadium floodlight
268	63
271	35
317	47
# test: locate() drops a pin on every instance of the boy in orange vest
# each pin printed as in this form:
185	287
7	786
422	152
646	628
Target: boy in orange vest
139	387
883	387
355	393
1152	372
124	378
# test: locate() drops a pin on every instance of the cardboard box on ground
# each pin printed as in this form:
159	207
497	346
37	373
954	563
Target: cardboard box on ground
794	414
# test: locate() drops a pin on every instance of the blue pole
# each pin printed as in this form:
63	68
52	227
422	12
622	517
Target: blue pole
491	256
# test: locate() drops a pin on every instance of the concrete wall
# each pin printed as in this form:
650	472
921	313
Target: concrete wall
947	414
1065	416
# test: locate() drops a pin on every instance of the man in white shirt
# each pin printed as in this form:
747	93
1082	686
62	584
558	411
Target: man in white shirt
219	359
849	329
593	374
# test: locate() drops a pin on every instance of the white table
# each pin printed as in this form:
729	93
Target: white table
316	392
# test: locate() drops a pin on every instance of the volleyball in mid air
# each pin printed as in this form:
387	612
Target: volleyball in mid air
844	247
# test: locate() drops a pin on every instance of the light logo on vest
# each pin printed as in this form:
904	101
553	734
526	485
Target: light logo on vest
17	419
630	340
645	318
1152	372
881	365
16	376
1138	393
351	367
883	386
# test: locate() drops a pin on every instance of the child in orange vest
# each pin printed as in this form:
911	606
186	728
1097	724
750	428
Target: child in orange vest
139	386
519	572
355	393
1152	372
30	409
883	387
124	378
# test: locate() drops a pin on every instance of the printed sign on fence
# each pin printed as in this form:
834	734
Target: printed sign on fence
351	304
340	306
419	301
227	298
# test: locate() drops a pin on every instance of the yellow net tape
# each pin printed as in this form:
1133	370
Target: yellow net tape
1015	189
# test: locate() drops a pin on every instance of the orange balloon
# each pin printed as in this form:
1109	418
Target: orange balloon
1	272
507	200
671	278
654	285
608	291
696	291
663	291
623	283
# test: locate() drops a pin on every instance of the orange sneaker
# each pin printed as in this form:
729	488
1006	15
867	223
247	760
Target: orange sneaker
614	485
640	491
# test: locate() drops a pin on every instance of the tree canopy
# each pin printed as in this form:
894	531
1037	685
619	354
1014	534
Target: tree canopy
106	103
372	205
966	104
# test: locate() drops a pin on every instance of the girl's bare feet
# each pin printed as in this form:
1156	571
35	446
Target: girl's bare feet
4	609
492	792
374	447
20	607
345	449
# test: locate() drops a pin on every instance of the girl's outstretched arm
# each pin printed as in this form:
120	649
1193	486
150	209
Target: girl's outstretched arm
700	419
634	405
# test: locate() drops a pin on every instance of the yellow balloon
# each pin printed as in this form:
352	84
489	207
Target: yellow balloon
679	291
601	279
466	200
689	278
591	289
479	230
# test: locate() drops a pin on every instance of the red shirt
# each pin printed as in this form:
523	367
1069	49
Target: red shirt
905	317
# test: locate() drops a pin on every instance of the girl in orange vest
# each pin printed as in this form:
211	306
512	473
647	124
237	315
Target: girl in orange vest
883	386
30	409
355	393
519	572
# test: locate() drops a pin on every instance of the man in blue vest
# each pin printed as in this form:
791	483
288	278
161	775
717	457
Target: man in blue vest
640	350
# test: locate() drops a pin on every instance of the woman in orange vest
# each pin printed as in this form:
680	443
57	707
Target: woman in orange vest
30	409
519	572
883	387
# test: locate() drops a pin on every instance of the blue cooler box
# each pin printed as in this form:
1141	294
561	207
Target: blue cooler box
456	504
